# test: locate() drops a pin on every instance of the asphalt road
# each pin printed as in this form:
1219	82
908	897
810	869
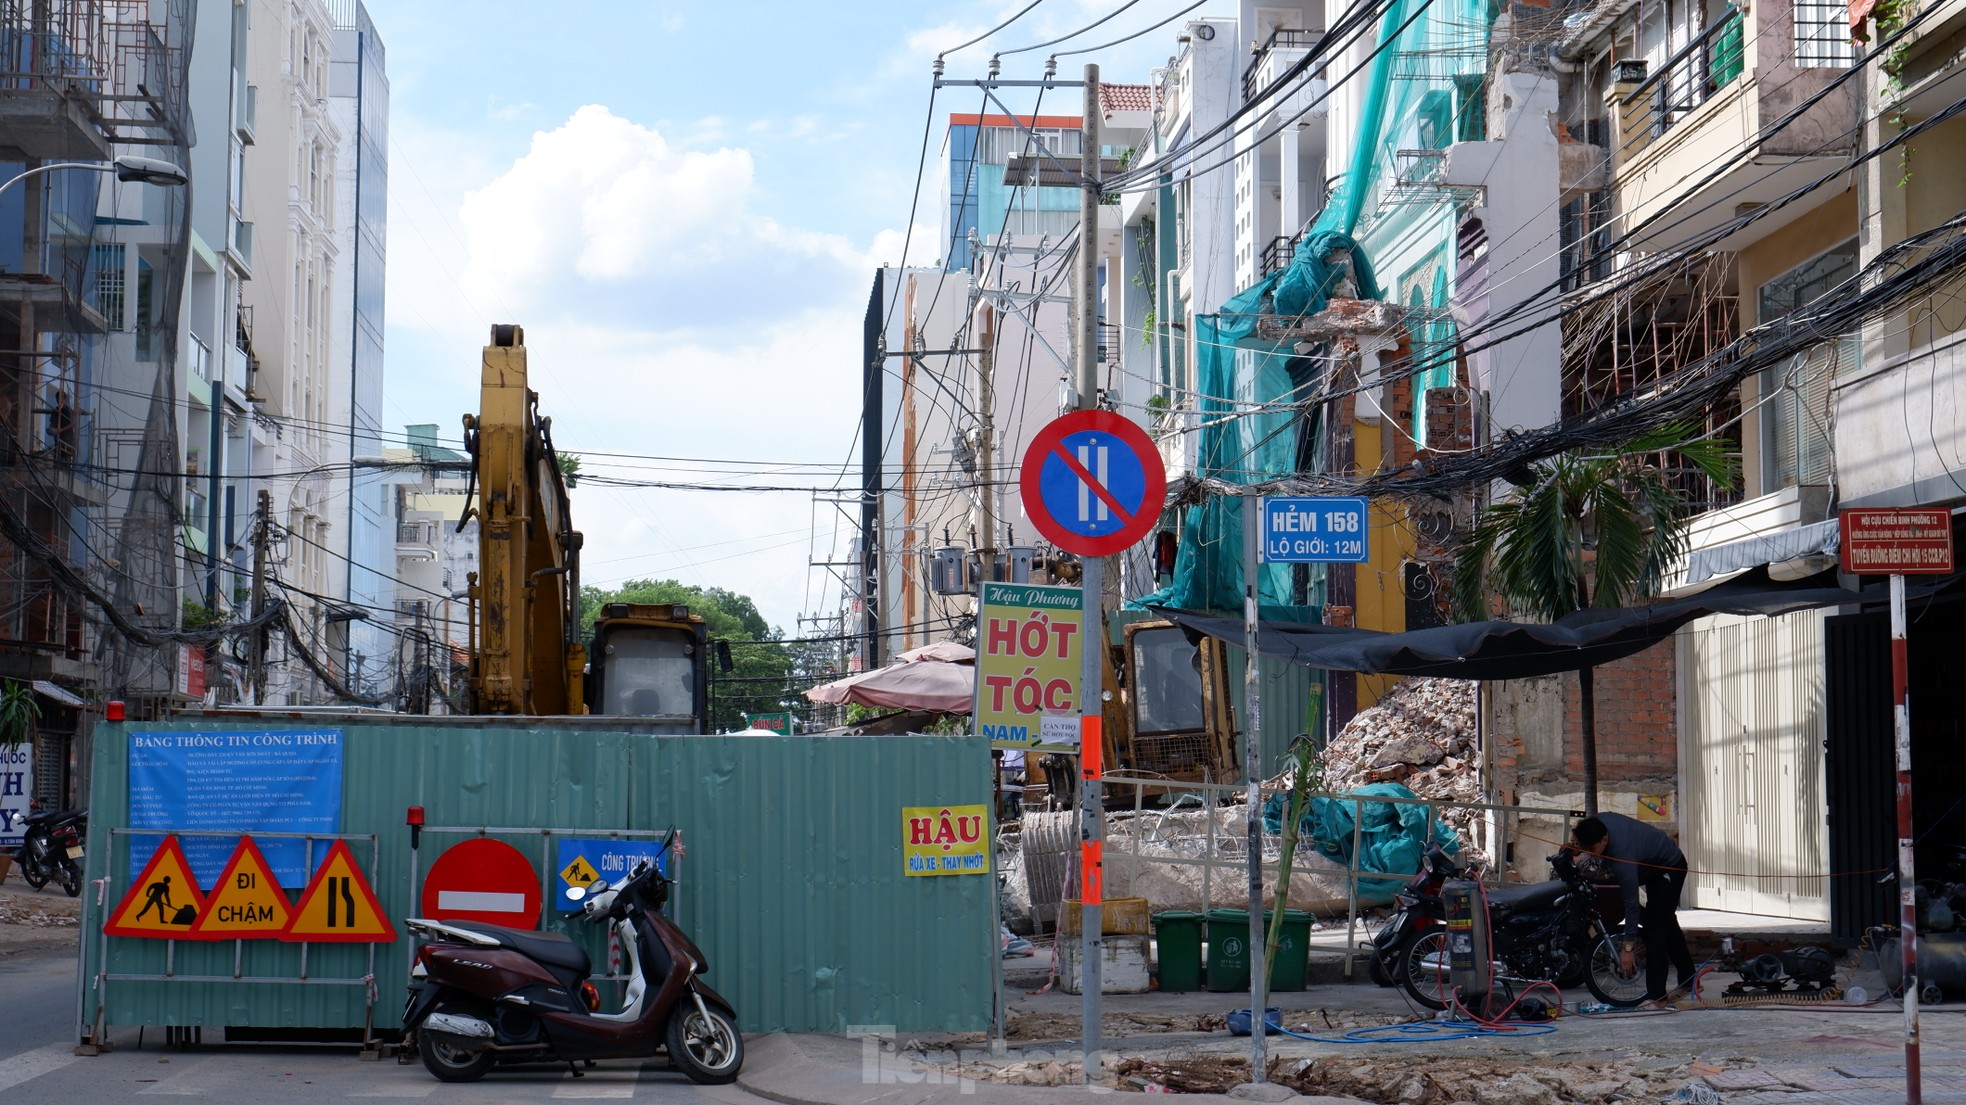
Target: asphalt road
38	1065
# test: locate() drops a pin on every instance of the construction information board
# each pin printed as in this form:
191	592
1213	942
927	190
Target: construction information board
1027	662
250	781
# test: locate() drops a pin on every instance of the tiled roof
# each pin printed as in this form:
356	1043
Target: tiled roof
1125	97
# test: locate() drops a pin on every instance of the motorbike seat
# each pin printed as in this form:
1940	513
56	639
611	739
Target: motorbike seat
551	948
1535	895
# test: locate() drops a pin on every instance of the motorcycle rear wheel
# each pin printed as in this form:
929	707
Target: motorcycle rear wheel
1604	981
708	1051
451	1062
35	874
1422	970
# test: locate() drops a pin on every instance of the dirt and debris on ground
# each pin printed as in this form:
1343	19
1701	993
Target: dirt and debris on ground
1400	1081
36	920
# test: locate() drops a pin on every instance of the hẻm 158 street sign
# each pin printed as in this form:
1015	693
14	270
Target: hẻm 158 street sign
1896	540
1307	529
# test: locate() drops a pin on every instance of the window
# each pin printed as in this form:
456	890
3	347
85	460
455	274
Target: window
1822	34
109	285
1796	442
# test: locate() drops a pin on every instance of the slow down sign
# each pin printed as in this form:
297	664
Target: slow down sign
483	880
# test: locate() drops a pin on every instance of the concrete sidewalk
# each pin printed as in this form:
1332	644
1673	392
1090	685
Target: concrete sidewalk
1796	1055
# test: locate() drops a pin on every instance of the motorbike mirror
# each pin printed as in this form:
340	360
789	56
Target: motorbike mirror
575	893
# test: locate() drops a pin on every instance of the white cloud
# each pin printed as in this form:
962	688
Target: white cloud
664	315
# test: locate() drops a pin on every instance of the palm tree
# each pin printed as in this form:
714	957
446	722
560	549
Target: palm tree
1579	531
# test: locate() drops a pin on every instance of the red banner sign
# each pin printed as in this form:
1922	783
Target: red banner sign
1897	541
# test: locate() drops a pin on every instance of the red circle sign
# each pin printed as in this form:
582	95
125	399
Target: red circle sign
1093	482
483	880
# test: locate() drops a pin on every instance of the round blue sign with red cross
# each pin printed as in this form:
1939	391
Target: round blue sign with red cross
1093	482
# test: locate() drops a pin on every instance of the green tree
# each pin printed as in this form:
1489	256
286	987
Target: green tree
1581	531
761	667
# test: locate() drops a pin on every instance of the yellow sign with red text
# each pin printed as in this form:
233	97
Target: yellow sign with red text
946	840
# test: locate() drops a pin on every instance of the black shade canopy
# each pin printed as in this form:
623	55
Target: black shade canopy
1518	650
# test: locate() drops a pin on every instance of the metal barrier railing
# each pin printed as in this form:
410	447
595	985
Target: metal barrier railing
1211	796
103	903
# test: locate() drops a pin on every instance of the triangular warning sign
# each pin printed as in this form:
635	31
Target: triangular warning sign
338	906
246	903
163	902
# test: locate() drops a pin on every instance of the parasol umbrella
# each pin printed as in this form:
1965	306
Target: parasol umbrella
908	685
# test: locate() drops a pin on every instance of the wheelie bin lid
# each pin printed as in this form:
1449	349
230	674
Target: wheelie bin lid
1176	916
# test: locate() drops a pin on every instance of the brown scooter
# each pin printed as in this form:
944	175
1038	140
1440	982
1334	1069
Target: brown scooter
482	995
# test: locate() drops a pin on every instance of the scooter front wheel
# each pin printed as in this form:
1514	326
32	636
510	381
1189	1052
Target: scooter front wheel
71	878
704	1044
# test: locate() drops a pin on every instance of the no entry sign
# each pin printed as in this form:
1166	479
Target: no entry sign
1093	483
483	880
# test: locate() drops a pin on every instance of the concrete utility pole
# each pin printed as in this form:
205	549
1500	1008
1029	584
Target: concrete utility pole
256	678
986	446
1092	808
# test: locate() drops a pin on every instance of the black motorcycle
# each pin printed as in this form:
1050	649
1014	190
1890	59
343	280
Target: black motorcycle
1540	932
51	847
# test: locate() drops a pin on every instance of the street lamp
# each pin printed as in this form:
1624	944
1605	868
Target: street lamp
143	170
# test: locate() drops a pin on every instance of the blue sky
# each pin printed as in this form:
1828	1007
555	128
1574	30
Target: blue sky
683	203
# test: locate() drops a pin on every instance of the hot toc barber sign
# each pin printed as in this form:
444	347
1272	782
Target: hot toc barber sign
1027	664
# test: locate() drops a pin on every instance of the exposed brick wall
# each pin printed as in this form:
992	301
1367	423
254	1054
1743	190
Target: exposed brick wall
1637	718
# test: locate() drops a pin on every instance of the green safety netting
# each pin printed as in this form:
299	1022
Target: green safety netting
1423	92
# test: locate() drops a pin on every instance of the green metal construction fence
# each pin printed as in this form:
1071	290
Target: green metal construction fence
793	879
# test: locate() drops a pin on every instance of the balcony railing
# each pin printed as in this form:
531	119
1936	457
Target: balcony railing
201	359
1686	80
1109	344
413	533
1276	255
1286	38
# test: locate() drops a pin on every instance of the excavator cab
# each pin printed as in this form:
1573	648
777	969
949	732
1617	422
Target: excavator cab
1174	695
650	660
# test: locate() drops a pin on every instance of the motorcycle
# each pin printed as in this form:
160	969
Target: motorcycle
482	994
1417	910
1539	932
51	847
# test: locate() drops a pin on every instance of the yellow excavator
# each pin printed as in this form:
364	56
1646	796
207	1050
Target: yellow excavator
647	660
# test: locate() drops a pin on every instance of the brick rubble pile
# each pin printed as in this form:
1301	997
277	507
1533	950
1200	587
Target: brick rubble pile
1421	734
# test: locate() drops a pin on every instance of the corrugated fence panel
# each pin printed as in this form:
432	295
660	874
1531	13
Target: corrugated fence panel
1290	703
792	880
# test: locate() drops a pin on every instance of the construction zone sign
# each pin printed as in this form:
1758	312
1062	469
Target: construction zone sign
246	903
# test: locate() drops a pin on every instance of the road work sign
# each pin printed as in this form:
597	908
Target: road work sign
584	861
246	902
339	906
1028	654
163	900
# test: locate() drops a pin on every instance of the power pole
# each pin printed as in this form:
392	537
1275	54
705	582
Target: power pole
256	677
986	402
1092	683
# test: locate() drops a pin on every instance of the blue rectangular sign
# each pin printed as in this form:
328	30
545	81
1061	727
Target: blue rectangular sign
1304	529
272	780
583	860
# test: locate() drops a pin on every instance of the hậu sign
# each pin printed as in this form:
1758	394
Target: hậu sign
1027	662
945	840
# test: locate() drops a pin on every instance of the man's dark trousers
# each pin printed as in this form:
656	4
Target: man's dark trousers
1665	943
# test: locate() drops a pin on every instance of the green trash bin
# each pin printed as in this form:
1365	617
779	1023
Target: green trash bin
1293	961
1228	950
1177	934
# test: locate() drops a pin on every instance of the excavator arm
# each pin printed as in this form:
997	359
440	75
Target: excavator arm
527	657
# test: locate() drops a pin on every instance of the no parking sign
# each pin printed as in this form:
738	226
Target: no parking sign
1093	482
